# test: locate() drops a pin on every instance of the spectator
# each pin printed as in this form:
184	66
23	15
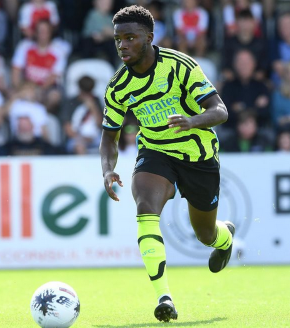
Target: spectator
244	39
191	26
281	48
248	137
245	92
232	8
41	62
33	11
281	101
82	117
283	141
23	103
27	116
98	32
25	143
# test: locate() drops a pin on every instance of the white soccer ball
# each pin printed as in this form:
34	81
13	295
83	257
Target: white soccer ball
55	305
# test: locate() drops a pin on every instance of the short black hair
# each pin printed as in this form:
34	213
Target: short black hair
135	14
249	113
86	83
245	14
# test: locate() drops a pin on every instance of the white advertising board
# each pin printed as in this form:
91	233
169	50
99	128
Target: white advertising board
54	212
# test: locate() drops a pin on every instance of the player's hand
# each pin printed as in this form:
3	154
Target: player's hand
109	178
179	121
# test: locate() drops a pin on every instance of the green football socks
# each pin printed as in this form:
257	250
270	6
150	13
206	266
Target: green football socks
152	250
224	237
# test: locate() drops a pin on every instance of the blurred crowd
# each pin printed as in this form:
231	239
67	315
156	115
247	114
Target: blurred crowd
57	56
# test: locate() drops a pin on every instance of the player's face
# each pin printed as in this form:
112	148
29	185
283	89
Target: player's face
132	42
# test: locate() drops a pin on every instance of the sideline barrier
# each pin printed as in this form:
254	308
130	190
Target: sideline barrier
54	212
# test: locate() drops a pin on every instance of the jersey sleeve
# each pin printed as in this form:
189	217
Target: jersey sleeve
60	63
177	19
199	86
114	111
24	19
20	54
54	16
203	21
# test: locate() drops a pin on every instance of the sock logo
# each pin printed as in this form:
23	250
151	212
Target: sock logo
148	251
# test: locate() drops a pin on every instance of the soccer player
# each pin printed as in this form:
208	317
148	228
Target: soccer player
175	106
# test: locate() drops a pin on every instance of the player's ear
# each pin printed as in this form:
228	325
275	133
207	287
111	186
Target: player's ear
150	36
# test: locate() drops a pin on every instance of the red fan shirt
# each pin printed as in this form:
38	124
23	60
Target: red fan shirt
30	14
38	65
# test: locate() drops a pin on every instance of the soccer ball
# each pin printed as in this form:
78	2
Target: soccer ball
55	305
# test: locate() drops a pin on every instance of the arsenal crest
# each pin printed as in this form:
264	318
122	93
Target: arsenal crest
162	84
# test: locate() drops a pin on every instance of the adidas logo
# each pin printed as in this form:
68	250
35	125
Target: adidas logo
132	99
214	200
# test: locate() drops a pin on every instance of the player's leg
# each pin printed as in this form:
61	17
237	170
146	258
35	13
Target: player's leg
151	192
203	223
199	183
213	233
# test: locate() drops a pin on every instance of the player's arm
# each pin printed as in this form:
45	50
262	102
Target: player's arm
215	113
109	157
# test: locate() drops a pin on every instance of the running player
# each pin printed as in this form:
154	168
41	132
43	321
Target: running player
176	106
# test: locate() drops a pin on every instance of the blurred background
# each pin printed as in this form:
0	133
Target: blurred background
56	58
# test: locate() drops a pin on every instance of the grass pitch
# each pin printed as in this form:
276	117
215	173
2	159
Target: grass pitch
234	298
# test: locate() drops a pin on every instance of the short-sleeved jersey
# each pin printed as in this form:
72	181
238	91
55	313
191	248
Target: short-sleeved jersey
38	66
191	23
175	84
30	14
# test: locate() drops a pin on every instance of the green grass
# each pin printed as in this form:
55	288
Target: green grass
235	298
